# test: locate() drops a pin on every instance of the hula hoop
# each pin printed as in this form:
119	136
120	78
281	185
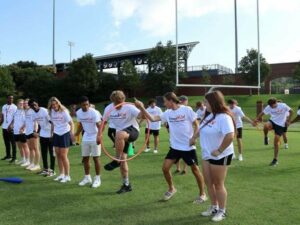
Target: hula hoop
105	117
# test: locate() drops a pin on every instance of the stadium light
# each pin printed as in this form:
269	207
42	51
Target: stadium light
258	43
176	28
236	38
71	44
53	39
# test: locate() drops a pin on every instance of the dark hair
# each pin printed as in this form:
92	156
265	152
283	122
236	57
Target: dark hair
198	104
31	101
9	95
232	101
151	101
171	96
299	107
83	99
272	101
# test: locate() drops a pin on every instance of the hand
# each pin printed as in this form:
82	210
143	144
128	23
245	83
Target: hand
98	140
254	124
193	141
35	135
215	153
287	123
72	138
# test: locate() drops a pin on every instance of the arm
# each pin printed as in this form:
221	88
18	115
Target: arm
72	130
259	117
297	118
247	119
288	119
144	113
79	129
228	139
196	133
99	134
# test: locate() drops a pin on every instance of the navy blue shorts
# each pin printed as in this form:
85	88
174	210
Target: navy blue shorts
62	141
279	130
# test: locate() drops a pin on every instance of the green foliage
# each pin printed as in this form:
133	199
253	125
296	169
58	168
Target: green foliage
162	69
7	85
129	78
107	83
297	73
206	77
249	65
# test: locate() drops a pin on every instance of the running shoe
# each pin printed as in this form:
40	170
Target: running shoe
124	188
97	182
177	171
25	164
211	211
29	166
59	178
286	146
183	172
219	216
240	157
168	195
266	140
274	162
6	158
200	199
155	151
35	168
12	161
85	180
50	173
42	172
147	149
65	179
112	165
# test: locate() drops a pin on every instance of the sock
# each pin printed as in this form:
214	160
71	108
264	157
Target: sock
97	177
222	210
24	159
215	207
88	176
126	181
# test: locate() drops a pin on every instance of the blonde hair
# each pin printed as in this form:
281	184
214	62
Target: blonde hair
117	97
20	100
61	107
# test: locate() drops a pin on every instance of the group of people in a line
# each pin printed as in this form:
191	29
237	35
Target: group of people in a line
215	123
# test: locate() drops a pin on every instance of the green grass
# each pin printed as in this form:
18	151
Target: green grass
258	194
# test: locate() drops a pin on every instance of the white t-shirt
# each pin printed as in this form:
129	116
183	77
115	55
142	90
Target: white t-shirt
200	113
29	121
106	111
60	122
125	117
278	114
212	135
155	111
88	121
180	127
19	120
238	115
8	112
42	118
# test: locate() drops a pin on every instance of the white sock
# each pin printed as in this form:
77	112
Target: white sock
222	210
215	207
126	181
97	177
88	176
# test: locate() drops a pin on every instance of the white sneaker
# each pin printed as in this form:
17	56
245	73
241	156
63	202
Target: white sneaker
155	151
147	150
96	183
240	157
19	162
86	180
25	164
286	146
200	199
65	179
219	216
211	211
35	168
30	166
59	178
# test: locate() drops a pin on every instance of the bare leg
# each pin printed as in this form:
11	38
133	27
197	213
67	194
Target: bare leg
199	179
240	145
209	183
65	160
86	165
121	137
59	161
168	176
276	146
156	141
218	176
97	165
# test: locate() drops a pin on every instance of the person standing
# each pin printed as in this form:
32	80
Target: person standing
153	126
239	116
200	110
278	122
42	118
8	110
89	120
111	127
217	130
63	134
183	125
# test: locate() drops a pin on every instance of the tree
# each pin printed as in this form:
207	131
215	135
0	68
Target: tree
129	78
206	77
7	85
249	65
83	79
162	69
297	73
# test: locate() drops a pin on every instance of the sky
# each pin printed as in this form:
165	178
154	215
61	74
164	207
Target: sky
104	27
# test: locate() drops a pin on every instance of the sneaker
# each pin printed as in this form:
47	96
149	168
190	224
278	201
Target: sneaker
43	172
65	179
240	157
211	211
124	188
12	161
266	140
112	165
177	171
25	164
274	162
183	172
35	168
5	158
200	199
85	180
147	149
8	159
219	216
29	166
286	146
50	173
20	162
168	195
155	151
96	183
59	178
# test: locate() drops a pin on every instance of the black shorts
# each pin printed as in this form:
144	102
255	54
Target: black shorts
29	136
189	157
133	133
154	132
285	129
279	130
62	141
239	133
20	138
225	161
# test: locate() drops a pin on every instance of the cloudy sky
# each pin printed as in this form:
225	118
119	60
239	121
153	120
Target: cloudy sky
110	26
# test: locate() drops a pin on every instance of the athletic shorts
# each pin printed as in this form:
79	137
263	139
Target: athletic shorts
133	133
279	130
29	136
20	138
239	133
154	132
189	157
62	141
285	129
90	148
225	161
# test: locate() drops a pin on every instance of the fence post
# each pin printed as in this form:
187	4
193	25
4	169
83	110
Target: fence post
259	108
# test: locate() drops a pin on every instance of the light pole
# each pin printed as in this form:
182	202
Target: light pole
71	44
236	37
53	39
176	28
258	43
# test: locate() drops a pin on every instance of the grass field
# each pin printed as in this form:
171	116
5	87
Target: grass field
258	194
